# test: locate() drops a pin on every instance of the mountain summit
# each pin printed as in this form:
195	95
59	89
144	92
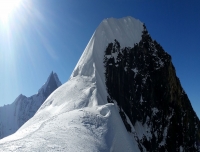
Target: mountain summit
14	115
123	95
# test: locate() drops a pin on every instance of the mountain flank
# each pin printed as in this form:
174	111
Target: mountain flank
143	82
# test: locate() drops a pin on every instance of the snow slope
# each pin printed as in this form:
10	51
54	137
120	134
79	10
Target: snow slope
77	117
14	115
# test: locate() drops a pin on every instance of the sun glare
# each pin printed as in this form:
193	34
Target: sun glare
6	8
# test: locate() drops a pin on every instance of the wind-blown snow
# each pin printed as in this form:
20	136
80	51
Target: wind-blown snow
77	117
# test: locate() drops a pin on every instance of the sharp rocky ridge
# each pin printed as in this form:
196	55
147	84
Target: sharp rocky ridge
13	116
123	95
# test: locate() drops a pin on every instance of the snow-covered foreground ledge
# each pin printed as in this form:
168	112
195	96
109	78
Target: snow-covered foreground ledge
72	123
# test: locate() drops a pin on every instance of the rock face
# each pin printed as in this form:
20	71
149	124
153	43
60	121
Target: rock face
13	116
153	105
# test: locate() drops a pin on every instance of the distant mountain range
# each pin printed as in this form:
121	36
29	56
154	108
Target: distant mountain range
14	115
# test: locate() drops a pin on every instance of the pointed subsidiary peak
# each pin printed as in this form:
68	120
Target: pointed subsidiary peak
50	85
57	79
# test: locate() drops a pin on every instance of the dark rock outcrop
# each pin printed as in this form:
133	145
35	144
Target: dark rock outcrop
143	82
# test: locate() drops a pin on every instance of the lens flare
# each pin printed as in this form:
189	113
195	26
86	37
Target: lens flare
6	8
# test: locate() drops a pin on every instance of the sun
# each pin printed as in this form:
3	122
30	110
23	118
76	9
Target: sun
6	8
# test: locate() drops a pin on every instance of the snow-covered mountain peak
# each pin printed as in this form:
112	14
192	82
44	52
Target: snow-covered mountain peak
107	104
127	31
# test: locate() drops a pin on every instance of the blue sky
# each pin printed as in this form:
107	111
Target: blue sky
50	35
